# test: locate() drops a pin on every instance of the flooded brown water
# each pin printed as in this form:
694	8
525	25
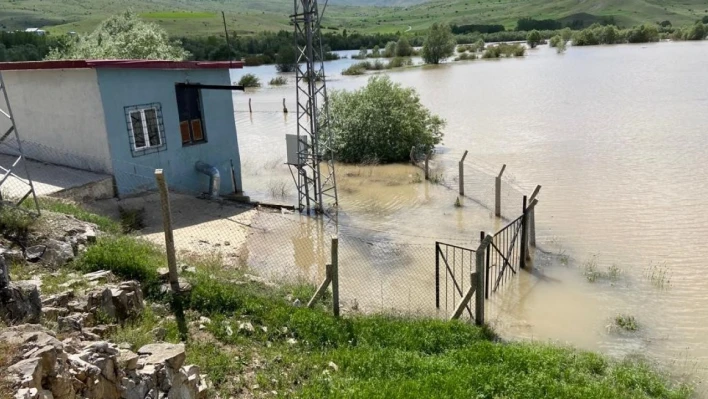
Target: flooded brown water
617	137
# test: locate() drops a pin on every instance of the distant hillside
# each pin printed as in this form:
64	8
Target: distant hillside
202	17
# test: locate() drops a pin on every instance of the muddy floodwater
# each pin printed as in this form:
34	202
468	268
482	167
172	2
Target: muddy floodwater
617	137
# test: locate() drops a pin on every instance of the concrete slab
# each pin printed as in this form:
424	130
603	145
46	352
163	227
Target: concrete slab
54	180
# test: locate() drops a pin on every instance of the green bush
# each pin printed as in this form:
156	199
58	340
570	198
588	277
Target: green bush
356	69
403	48
279	81
104	224
554	41
697	32
381	122
127	257
249	80
399	62
286	60
15	224
534	38
390	50
643	34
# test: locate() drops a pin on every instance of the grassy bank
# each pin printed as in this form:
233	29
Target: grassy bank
300	352
258	342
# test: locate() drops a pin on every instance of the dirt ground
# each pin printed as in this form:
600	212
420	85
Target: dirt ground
201	227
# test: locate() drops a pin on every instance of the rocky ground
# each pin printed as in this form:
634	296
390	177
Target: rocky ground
57	322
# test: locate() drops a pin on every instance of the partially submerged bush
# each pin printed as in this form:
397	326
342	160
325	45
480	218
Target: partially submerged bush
249	80
279	81
356	69
381	121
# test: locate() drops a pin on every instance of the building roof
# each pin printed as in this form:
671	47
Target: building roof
118	64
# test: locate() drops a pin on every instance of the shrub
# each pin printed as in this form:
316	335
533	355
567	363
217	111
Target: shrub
643	34
403	48
439	44
609	35
15	224
381	121
249	80
278	81
356	69
585	37
555	40
286	59
534	38
376	52
697	32
399	62
390	50
466	57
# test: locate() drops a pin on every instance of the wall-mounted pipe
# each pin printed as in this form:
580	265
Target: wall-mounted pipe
214	178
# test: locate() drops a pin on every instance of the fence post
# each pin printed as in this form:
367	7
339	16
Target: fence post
285	108
462	174
481	279
524	236
167	225
250	109
532	216
427	166
497	192
335	276
413	155
437	275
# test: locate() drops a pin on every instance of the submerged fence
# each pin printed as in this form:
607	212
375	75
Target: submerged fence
376	271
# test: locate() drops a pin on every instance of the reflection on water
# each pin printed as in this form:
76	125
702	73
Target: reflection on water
616	136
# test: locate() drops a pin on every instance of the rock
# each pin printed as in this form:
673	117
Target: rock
73	322
34	254
80	305
103	330
53	314
4	274
333	366
45	394
128	360
297	302
20	302
59	300
163	274
160	333
246	327
171	354
99	275
117	302
27	372
57	253
27	393
12	255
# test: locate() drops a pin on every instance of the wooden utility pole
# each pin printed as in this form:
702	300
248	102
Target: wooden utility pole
167	225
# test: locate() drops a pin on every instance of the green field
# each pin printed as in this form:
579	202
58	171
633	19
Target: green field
202	17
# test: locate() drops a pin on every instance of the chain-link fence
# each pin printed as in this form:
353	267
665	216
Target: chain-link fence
389	271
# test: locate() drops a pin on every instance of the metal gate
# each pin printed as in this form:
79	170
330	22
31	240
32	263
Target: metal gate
458	264
505	255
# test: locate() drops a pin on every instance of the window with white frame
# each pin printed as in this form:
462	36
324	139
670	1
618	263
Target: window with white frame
145	128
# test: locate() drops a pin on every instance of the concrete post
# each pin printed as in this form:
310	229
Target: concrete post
462	174
497	192
532	216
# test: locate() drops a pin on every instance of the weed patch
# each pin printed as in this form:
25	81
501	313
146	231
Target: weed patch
131	219
16	224
626	322
105	224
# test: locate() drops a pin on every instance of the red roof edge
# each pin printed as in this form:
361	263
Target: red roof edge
118	64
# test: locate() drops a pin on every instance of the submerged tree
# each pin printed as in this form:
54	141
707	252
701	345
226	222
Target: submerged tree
534	38
285	60
403	48
122	36
381	122
439	44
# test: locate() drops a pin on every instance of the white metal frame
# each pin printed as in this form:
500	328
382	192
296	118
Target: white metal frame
146	135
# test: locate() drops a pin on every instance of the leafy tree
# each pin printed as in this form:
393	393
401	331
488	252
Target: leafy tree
376	52
697	32
286	60
534	38
123	36
609	35
403	48
390	50
439	44
643	34
566	34
705	19
381	122
585	37
249	80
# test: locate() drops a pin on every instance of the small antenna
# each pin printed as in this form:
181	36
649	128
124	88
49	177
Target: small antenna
226	32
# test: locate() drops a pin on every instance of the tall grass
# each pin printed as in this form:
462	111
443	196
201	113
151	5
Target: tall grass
104	224
278	81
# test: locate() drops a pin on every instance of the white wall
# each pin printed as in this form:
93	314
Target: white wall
59	116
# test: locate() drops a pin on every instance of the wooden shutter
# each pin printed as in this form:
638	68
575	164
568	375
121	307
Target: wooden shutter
184	130
197	133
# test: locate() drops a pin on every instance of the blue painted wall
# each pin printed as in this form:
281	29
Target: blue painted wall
129	87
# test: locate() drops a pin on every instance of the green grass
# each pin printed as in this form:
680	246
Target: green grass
626	322
246	16
177	15
127	257
307	353
104	224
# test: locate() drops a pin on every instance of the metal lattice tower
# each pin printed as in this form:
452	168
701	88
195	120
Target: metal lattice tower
9	172
316	183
